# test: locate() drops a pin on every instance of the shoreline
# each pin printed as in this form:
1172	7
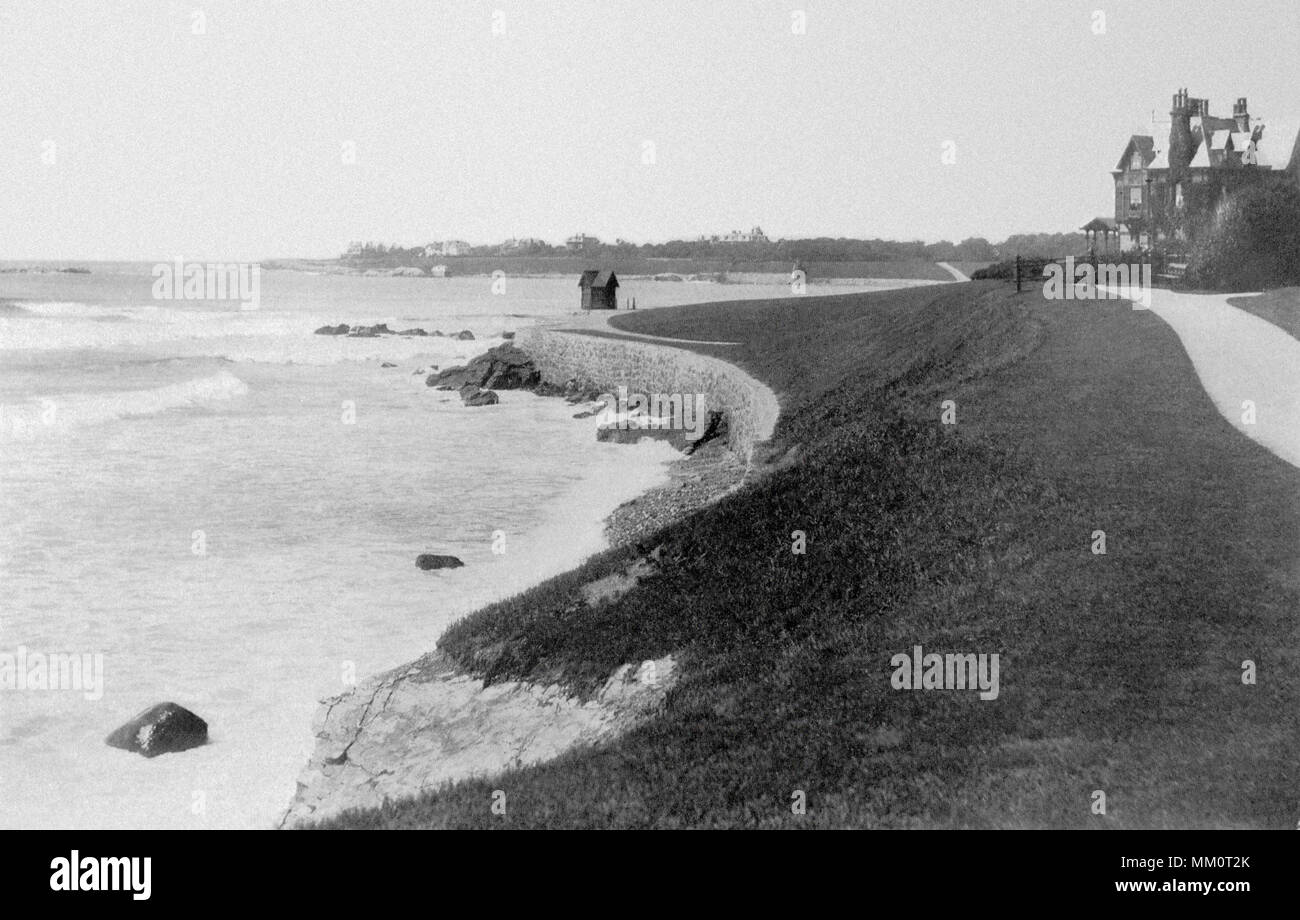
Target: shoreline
427	723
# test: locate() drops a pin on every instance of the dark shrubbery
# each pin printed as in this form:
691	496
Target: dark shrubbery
998	271
1252	242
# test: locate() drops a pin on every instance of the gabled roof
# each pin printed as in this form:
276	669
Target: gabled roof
1202	158
603	278
1143	142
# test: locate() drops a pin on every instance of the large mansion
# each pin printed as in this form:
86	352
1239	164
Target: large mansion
1157	180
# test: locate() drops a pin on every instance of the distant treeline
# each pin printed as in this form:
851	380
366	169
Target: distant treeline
730	256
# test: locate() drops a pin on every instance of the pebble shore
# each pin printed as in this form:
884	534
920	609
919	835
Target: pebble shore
695	481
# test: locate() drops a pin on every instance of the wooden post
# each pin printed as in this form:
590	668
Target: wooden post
1017	273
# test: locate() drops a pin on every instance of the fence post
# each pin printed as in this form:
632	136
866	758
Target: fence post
1017	273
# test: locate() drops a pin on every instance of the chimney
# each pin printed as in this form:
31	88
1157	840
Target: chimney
1180	132
1241	115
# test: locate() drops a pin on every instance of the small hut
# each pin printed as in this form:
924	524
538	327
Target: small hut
599	290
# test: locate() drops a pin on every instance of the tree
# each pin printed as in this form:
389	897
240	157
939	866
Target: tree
1252	241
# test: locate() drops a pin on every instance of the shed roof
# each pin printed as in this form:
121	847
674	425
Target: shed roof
603	278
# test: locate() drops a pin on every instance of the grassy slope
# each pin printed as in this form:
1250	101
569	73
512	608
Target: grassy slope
1119	672
1280	307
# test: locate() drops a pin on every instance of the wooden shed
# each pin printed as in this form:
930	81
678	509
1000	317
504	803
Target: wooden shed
599	290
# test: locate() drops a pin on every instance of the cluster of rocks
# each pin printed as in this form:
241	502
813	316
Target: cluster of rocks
631	430
505	367
370	332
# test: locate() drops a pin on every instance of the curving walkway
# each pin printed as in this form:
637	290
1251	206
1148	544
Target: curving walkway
957	274
1238	358
599	322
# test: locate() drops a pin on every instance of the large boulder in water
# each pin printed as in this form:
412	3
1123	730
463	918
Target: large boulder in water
340	329
506	367
162	729
430	561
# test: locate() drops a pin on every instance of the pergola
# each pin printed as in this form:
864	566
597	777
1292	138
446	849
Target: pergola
1105	226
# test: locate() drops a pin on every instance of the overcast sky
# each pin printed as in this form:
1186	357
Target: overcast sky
123	134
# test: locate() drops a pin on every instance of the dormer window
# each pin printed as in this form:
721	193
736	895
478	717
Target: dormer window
1136	161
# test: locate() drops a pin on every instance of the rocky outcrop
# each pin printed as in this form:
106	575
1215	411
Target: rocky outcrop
502	368
371	331
162	729
471	395
425	724
430	561
465	335
639	427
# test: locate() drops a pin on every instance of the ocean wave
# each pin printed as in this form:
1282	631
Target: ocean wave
263	336
69	308
45	416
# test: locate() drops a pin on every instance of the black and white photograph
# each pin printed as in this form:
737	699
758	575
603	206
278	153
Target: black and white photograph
572	415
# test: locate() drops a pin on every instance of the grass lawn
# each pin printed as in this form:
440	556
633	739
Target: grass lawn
1119	672
1280	307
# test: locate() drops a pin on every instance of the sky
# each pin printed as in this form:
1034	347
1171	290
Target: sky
248	130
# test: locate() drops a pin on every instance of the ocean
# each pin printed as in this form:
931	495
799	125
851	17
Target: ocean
214	506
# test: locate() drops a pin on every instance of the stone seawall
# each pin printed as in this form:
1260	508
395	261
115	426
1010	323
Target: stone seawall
648	367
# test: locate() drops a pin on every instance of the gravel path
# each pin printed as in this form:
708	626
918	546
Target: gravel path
1240	359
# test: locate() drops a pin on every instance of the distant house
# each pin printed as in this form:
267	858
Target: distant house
515	244
755	235
446	248
1155	178
580	241
599	289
